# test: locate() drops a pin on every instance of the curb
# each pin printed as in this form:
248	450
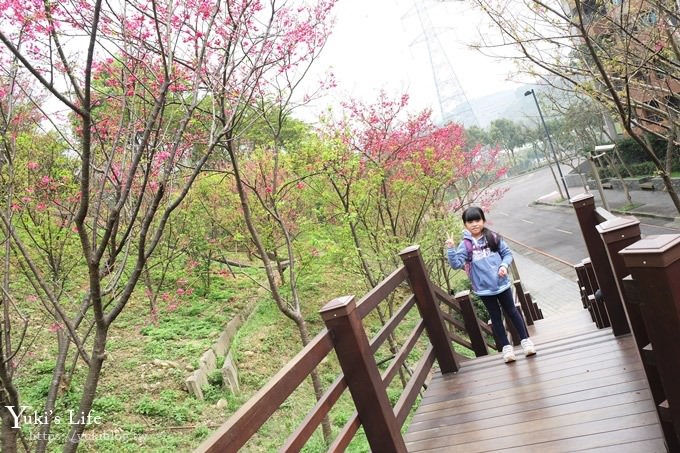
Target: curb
615	211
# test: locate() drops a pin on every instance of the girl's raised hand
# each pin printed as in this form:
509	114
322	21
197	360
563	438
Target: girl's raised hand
450	243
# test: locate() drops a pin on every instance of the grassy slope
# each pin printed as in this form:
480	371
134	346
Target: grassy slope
144	406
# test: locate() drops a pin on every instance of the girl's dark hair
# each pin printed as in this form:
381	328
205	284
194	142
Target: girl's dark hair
476	213
473	213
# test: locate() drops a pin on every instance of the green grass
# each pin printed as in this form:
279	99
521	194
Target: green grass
145	407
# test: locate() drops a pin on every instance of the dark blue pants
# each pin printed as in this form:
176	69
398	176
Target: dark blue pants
505	301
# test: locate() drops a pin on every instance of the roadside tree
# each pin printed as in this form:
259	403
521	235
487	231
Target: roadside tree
624	55
143	94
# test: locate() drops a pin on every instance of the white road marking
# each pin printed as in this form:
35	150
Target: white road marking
527	221
563	231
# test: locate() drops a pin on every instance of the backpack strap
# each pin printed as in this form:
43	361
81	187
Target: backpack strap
468	248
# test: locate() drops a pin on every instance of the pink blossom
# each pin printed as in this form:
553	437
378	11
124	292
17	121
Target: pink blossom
33	165
162	156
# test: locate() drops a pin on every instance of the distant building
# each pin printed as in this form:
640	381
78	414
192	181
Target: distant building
640	32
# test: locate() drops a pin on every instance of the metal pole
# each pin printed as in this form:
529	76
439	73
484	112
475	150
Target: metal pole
598	182
552	148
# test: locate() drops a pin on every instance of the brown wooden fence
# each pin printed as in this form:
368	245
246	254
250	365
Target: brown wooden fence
639	279
455	322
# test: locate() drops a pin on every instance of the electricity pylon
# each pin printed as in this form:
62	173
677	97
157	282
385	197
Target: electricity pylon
453	103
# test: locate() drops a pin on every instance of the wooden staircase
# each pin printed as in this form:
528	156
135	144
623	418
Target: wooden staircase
585	390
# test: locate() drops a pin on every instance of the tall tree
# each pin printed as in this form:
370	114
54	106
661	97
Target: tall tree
147	93
624	55
395	174
504	132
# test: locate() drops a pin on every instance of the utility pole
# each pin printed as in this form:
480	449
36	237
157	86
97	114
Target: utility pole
450	94
552	148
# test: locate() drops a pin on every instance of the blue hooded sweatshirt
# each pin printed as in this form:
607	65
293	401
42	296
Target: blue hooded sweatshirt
484	266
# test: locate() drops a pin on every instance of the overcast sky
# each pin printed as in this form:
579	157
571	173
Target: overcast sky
379	44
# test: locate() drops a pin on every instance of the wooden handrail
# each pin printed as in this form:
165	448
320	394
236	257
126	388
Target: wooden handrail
301	435
410	393
232	435
392	323
638	281
371	300
356	354
588	218
362	375
654	264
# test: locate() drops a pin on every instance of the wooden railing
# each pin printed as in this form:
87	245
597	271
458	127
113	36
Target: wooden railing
640	283
345	333
591	296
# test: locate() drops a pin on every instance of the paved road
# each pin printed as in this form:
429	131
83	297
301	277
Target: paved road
549	230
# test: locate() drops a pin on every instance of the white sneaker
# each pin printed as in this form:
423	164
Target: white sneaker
508	354
528	347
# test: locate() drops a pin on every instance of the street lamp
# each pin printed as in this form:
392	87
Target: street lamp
602	150
552	148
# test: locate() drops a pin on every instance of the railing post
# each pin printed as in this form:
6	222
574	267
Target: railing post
471	323
595	304
429	309
527	310
582	280
617	234
584	205
654	263
537	310
637	324
362	375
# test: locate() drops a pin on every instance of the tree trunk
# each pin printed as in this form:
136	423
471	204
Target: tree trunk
89	390
9	435
316	381
57	377
8	397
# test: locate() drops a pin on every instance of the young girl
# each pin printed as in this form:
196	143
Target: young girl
486	258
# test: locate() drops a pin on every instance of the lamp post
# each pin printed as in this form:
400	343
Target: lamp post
602	149
552	148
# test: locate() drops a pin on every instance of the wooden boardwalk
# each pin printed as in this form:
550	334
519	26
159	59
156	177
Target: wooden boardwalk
585	390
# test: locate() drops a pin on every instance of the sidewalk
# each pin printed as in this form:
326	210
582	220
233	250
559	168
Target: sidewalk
646	203
554	293
553	284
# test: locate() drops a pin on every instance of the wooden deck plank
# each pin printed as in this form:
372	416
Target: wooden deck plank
612	401
585	390
587	428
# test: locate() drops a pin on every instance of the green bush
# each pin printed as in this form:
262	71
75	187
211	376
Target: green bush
150	407
643	169
632	153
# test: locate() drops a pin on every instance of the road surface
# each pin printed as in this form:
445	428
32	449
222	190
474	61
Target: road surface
549	230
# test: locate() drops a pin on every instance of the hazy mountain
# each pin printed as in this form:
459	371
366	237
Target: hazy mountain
510	104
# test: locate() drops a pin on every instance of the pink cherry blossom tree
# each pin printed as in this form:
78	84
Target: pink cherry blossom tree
143	93
397	174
